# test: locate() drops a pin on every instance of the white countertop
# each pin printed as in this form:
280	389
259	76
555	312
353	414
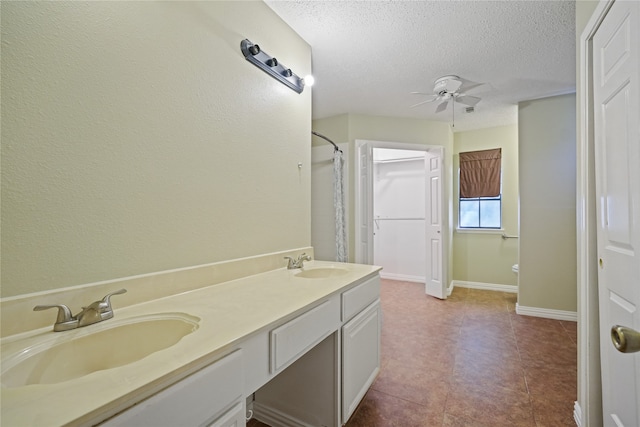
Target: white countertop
229	312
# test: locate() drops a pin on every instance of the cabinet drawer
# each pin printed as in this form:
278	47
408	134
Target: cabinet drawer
197	400
357	298
296	337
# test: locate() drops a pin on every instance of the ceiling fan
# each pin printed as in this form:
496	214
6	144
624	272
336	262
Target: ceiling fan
450	89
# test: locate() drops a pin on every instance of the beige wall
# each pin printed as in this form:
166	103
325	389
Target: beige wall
352	127
335	128
136	138
478	256
547	179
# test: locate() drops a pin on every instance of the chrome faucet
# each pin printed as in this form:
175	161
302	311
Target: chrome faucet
95	312
298	262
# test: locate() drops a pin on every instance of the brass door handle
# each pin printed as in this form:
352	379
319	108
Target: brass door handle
625	340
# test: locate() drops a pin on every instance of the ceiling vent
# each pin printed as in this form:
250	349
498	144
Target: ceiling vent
470	109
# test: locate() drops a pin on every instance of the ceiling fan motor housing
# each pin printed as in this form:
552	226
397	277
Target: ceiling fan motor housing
447	84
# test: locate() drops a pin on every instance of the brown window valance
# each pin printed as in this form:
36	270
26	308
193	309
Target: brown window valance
480	173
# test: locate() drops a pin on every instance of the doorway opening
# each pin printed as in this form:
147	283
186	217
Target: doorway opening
399	212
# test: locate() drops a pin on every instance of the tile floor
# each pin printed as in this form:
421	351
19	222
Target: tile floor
468	361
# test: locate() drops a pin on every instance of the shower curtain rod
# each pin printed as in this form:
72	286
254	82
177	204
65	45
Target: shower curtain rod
335	147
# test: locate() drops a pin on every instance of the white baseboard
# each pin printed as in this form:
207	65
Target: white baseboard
485	286
547	313
577	414
274	417
401	277
450	288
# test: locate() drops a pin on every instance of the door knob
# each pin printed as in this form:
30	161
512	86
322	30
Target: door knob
625	340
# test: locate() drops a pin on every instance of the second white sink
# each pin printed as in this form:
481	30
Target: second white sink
321	272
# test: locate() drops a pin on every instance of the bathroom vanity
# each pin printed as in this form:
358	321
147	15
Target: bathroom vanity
299	347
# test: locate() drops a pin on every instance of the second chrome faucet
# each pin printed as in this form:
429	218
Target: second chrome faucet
297	262
95	312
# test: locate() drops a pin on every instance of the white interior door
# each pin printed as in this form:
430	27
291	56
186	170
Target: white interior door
434	284
616	77
364	203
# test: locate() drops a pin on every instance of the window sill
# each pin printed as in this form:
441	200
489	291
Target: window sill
480	230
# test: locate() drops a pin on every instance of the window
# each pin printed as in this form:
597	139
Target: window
480	202
480	212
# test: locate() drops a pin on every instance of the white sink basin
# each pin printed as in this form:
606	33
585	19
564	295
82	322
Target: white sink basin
86	350
322	272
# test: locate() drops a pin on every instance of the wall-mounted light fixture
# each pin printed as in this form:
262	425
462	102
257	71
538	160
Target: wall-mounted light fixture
271	66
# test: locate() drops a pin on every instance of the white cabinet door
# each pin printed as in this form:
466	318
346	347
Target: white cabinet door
360	357
233	418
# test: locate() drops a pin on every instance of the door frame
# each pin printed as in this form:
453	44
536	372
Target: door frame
369	145
588	408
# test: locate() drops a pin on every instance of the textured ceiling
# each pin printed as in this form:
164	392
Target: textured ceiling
368	56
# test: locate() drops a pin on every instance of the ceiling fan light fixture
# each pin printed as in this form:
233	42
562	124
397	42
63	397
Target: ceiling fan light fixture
447	84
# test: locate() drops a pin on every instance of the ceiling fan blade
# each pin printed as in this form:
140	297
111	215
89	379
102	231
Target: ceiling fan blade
431	96
421	103
468	100
468	85
442	106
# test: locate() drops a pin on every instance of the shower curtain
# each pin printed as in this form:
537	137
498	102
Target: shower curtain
338	203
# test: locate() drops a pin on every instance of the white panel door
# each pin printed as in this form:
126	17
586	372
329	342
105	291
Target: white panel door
364	203
617	152
434	284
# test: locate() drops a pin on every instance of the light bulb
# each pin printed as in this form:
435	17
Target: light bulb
309	80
